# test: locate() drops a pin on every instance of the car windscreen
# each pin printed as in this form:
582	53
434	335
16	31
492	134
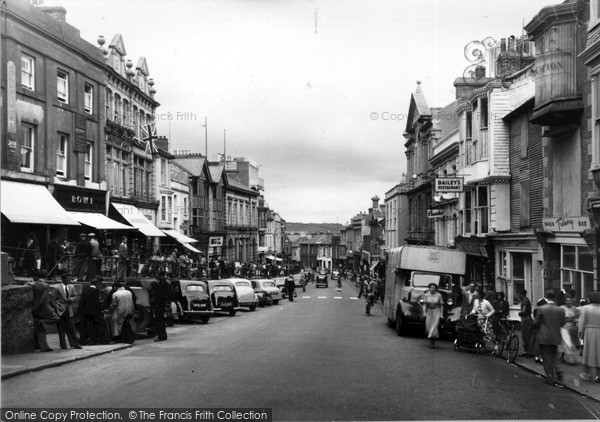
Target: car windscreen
195	288
242	284
423	280
222	288
268	284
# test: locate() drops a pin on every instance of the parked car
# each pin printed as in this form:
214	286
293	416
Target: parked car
322	280
299	280
335	275
266	290
222	296
191	301
246	298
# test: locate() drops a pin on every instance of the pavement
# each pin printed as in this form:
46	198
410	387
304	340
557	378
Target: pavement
317	358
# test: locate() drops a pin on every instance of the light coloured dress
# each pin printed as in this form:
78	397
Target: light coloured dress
433	303
568	333
484	310
589	329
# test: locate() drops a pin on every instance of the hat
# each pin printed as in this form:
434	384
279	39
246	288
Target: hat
124	238
82	235
92	234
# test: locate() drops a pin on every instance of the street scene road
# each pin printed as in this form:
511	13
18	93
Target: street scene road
317	358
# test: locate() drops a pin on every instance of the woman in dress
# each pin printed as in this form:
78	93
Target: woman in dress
433	303
568	332
483	309
589	331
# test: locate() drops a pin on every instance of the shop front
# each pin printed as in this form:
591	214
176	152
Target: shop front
88	207
480	260
30	212
568	258
519	259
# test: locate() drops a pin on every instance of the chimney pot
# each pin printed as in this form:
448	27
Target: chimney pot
502	44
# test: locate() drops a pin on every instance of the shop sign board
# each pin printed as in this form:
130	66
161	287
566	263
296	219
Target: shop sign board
449	184
566	224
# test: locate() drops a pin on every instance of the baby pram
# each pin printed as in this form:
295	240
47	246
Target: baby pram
469	335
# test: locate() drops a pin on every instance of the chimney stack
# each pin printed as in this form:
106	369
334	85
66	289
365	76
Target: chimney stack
57	12
375	200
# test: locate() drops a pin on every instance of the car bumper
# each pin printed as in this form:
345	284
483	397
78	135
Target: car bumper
192	314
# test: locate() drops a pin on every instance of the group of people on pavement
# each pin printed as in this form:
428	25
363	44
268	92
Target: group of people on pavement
549	331
101	321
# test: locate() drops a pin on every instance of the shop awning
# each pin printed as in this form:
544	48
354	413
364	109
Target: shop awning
278	259
98	221
375	264
191	248
180	237
33	204
262	249
138	220
271	257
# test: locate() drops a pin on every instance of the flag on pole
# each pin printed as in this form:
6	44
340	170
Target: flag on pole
149	135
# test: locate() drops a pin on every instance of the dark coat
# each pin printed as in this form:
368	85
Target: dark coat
160	294
89	302
43	302
550	318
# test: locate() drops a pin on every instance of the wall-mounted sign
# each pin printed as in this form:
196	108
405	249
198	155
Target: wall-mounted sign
566	224
80	199
435	213
449	184
215	241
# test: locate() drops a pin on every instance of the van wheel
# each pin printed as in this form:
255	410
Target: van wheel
275	302
400	324
232	313
252	308
170	321
204	319
390	323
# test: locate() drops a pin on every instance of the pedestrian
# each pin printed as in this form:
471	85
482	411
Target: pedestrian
53	252
31	255
44	314
160	293
94	261
534	338
502	309
484	311
83	251
526	322
93	327
434	305
64	299
361	286
369	286
469	297
123	260
122	310
569	332
290	286
550	318
589	331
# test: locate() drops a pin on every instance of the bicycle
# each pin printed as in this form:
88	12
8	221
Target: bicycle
509	341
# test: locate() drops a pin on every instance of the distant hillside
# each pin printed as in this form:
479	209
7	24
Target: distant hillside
332	228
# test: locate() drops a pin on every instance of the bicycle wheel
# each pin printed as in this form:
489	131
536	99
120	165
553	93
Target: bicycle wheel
512	348
501	345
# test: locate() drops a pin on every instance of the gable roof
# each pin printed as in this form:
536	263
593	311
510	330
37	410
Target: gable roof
418	106
448	119
142	66
195	165
216	172
118	45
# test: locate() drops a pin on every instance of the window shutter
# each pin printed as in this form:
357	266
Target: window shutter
524	135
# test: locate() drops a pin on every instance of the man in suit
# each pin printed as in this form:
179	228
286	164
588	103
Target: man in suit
83	251
160	296
526	323
550	318
93	329
468	299
43	310
65	296
94	262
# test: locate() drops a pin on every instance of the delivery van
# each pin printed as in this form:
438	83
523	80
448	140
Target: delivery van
409	271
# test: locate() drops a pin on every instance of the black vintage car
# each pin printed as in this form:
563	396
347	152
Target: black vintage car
191	301
222	296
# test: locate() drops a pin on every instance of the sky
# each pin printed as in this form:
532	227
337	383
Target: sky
307	88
